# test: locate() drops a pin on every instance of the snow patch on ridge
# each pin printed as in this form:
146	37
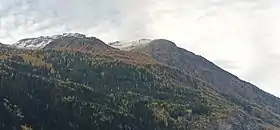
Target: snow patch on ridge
129	45
41	42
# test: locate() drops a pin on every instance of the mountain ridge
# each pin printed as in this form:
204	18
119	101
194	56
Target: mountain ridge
167	52
129	46
42	41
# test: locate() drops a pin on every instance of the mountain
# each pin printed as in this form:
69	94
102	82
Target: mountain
5	47
2	45
82	43
41	42
73	41
168	53
62	86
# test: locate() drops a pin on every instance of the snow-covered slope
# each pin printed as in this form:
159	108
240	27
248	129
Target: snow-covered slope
41	42
129	45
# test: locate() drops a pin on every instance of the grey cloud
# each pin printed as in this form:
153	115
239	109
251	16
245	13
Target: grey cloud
220	30
226	64
78	15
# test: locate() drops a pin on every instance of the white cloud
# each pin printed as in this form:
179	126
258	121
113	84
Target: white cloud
242	36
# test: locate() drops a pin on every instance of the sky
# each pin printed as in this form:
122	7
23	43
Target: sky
241	36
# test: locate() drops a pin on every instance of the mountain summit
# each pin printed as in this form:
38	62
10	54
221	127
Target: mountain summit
129	45
73	41
42	41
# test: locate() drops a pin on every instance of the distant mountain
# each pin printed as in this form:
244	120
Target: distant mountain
74	82
168	53
2	45
5	46
41	42
73	41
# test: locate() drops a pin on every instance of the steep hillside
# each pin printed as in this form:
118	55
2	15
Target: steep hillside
62	86
75	90
168	53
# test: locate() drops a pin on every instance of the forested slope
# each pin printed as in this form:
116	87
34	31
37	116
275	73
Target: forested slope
76	90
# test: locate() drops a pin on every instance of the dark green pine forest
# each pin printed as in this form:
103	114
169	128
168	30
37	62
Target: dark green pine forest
114	90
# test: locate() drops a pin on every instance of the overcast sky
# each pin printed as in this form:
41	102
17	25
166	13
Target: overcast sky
241	36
